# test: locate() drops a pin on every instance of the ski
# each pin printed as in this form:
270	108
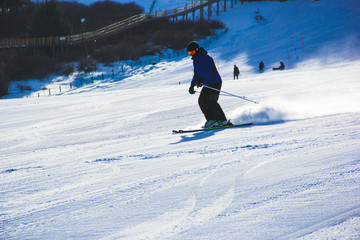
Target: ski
213	128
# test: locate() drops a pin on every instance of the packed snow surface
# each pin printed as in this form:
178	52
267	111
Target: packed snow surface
101	162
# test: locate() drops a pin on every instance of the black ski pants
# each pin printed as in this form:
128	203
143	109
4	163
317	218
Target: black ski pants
208	102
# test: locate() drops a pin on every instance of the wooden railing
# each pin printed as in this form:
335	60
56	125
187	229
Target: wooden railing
187	8
108	30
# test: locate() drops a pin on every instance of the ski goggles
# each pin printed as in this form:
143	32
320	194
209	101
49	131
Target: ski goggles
192	53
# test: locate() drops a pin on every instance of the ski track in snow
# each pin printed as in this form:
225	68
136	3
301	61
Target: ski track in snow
171	223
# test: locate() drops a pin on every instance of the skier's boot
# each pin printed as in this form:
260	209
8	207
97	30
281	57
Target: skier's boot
224	123
210	124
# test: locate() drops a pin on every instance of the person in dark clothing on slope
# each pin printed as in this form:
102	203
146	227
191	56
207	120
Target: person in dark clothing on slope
206	75
281	67
261	66
236	72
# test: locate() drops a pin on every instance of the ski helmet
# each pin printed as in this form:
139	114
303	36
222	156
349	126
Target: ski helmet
192	46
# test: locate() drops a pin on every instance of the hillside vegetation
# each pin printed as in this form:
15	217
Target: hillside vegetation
53	18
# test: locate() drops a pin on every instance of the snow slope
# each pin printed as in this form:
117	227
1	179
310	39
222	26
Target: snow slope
100	162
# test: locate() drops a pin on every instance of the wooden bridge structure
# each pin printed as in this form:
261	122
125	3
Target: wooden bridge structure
195	10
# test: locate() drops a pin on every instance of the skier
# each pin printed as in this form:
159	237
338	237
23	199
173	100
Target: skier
261	66
236	72
206	74
282	66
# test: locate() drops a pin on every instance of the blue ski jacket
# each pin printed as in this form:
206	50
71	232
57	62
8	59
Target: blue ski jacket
204	69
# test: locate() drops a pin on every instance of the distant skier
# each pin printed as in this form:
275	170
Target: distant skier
281	67
206	74
236	72
261	66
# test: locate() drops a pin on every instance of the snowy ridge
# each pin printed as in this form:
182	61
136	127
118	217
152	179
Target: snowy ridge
100	162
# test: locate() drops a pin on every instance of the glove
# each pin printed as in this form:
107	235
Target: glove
199	82
191	89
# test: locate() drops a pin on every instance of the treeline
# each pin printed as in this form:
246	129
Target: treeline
53	18
26	19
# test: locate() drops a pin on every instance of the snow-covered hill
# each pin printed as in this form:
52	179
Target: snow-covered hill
100	162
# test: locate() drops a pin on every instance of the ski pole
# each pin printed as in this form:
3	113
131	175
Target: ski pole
230	94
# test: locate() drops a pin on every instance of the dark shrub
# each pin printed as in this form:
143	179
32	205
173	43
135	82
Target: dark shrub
87	65
4	83
27	65
67	69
